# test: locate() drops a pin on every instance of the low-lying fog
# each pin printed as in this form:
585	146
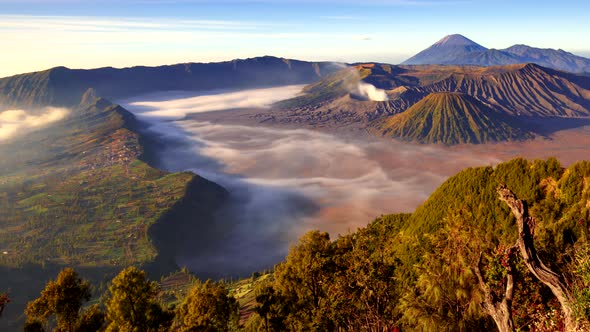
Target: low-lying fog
284	182
15	122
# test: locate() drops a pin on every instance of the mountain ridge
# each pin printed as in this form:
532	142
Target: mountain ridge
463	51
80	193
96	149
449	47
61	86
516	92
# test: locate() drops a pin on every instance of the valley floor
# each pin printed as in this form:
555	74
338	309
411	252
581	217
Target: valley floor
567	139
287	176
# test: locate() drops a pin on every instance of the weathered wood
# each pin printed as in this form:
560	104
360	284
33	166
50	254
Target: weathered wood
501	311
528	252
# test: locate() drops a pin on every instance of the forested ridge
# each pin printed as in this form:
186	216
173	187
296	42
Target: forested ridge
458	263
81	194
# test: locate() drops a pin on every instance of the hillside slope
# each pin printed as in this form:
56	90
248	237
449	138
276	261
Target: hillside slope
451	118
76	193
442	266
61	86
520	91
523	89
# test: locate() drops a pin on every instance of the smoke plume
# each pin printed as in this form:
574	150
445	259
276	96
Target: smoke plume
370	92
356	86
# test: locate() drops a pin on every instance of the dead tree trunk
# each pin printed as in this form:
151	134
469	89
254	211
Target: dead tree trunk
527	250
501	311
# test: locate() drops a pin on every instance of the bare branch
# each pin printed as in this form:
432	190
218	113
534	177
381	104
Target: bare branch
526	246
501	311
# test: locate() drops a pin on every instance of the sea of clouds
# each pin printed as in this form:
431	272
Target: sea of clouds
284	182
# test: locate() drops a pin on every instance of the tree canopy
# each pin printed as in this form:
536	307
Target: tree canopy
131	304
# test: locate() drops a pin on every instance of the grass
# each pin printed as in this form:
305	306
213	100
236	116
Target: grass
175	287
77	194
451	118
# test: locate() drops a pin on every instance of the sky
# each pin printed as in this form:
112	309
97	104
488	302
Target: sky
40	34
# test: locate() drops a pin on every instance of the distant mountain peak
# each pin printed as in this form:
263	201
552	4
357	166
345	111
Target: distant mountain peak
456	40
446	51
457	49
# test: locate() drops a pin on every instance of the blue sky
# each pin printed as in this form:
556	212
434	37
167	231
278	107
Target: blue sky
39	34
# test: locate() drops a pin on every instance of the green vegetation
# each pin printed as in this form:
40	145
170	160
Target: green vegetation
63	299
77	194
451	118
207	307
98	217
325	285
446	267
419	271
94	204
131	304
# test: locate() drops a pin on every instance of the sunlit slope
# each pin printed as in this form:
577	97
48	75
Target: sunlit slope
451	118
77	194
525	89
557	197
499	100
522	89
336	95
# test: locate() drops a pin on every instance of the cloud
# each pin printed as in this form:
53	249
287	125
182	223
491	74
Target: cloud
284	182
18	122
89	24
212	101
